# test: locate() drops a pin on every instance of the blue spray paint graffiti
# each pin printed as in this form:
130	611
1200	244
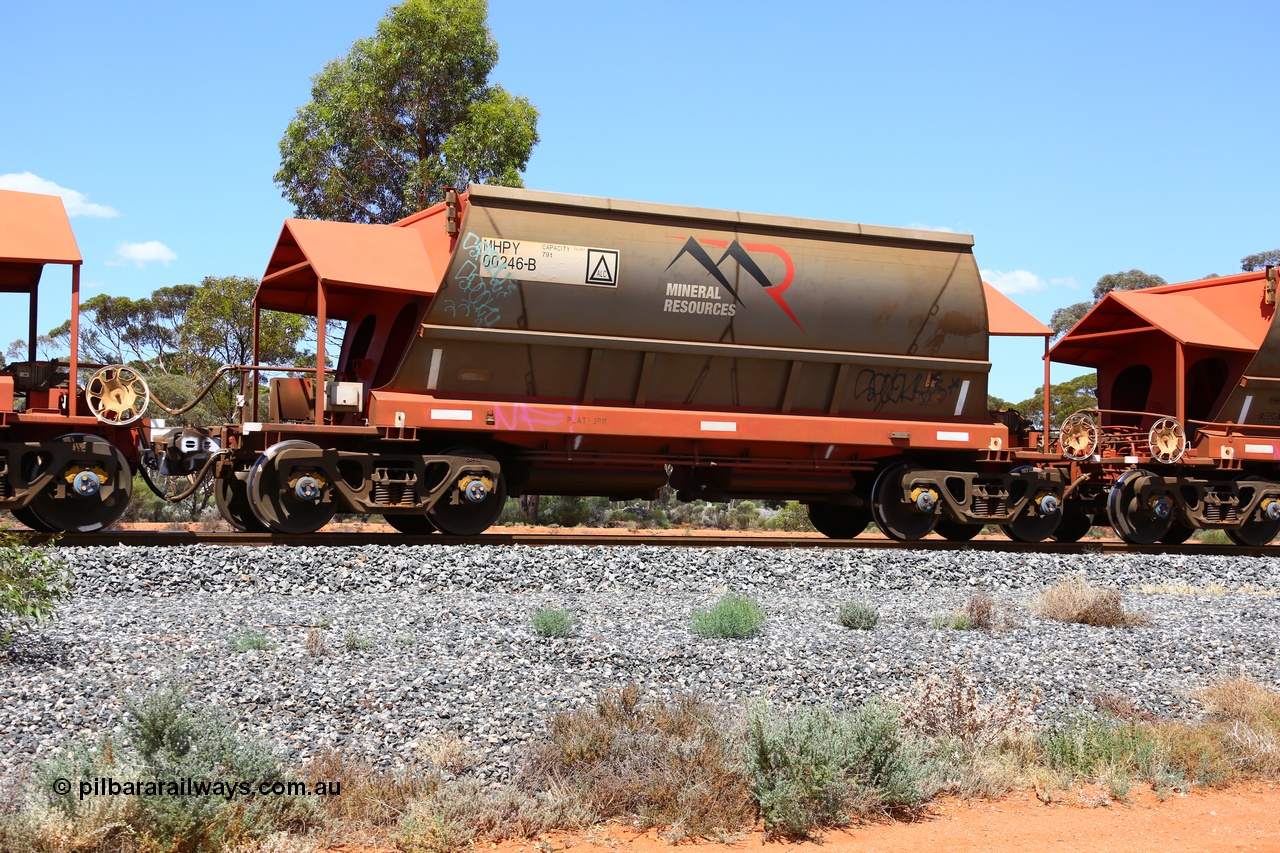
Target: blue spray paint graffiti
483	290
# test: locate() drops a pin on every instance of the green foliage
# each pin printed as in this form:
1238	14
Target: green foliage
405	113
166	741
955	621
220	331
700	514
512	514
743	515
1260	260
1063	319
1064	398
858	616
1134	279
811	768
792	518
32	580
552	622
734	616
354	641
251	639
1087	747
571	510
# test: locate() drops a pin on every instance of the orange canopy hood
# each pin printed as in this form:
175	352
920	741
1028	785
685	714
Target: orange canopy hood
34	231
1228	313
350	260
1006	317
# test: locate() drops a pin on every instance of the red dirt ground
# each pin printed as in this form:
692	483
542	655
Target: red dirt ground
1245	818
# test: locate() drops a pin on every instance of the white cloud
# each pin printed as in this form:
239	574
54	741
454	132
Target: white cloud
141	254
917	226
1018	281
77	203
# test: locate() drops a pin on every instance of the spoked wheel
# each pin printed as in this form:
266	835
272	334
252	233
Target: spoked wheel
1075	523
473	503
231	496
954	531
899	515
839	521
1258	529
1134	521
277	502
1178	533
1078	436
117	394
411	525
94	491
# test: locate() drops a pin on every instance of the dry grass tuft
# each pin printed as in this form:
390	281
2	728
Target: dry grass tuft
976	749
1242	700
1074	600
446	754
315	643
1121	707
370	798
672	764
1183	588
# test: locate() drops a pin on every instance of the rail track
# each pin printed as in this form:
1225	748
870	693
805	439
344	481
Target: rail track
170	538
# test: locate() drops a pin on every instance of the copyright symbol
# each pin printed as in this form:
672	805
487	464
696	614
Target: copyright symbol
62	787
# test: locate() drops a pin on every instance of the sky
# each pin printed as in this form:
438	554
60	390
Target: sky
1072	140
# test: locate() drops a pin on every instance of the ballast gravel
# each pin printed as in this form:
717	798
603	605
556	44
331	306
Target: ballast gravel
436	640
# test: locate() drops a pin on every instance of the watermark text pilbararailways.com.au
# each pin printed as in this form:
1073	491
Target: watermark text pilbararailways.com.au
227	789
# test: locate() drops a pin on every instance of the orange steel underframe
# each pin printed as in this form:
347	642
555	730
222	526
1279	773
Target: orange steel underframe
521	423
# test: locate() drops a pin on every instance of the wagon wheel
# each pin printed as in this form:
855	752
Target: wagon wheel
27	517
1178	533
276	502
1076	522
117	395
839	521
1135	521
1078	437
458	513
94	494
410	525
1038	520
1259	528
1167	440
231	496
899	516
954	531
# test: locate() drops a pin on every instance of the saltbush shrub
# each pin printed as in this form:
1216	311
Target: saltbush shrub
552	622
813	768
166	742
734	616
858	616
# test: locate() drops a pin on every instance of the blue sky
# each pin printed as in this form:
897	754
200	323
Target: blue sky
1073	140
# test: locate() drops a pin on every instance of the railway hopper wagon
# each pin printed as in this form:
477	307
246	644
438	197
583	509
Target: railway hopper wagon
1187	433
61	468
509	342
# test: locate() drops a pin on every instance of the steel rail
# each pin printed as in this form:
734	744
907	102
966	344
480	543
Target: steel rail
170	538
